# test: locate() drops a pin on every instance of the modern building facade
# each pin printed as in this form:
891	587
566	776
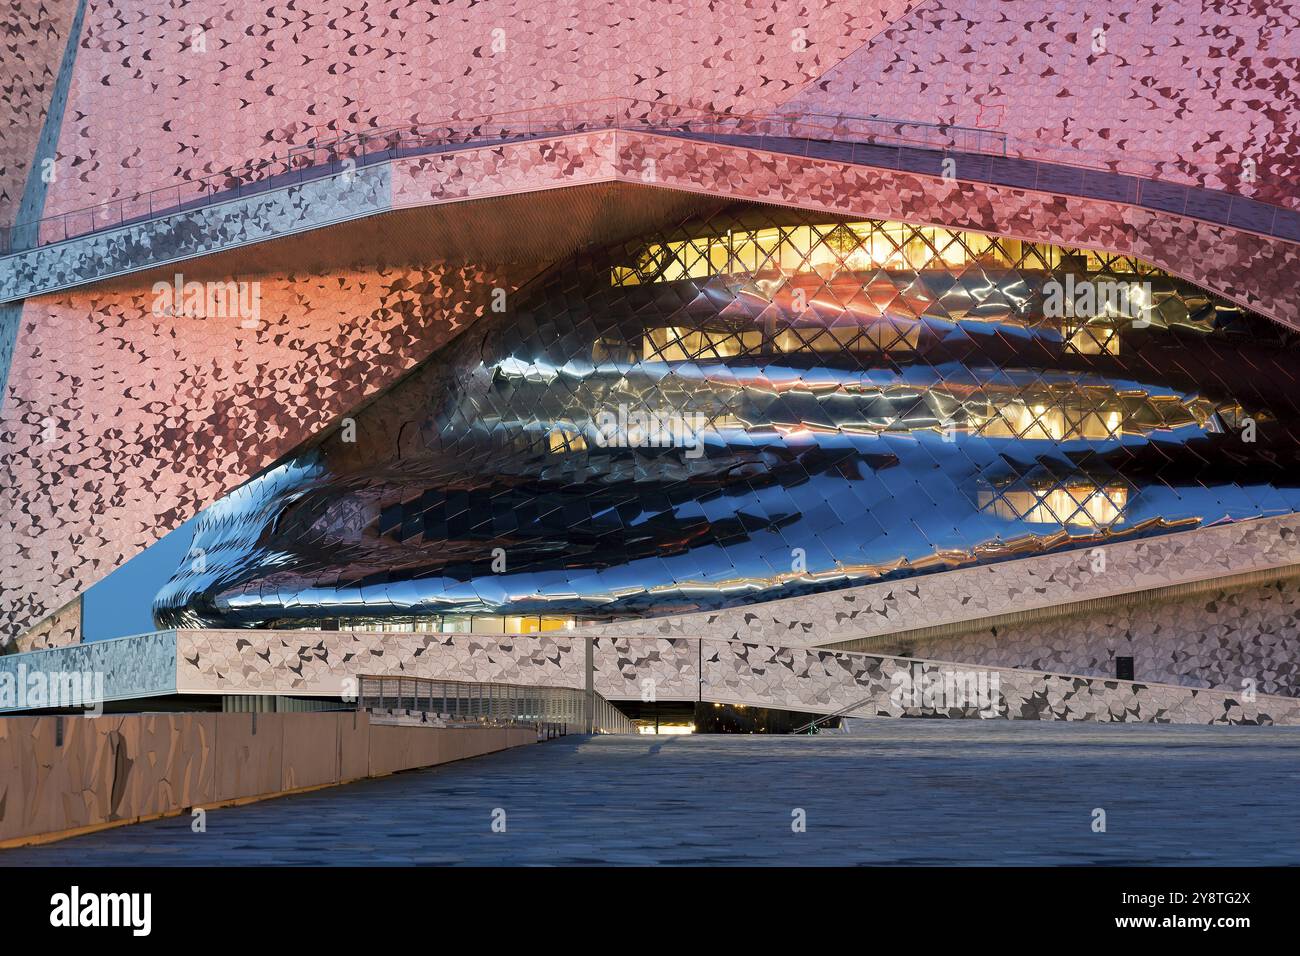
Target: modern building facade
474	334
760	405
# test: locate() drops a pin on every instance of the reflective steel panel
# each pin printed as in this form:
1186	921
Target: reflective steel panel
758	405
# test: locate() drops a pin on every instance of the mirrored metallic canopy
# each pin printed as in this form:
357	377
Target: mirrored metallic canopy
758	404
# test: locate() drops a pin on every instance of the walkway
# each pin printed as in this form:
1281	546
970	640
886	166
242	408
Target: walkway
908	791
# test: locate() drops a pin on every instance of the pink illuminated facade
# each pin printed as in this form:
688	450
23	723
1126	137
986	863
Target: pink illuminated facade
1168	134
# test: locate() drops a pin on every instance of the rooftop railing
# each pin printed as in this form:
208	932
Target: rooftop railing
493	703
909	145
326	156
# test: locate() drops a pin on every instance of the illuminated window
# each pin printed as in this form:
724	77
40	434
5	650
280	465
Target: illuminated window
612	350
1064	414
879	336
679	344
1092	338
869	246
534	624
561	441
1079	504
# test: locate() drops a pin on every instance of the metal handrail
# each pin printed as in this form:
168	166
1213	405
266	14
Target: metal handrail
491	702
322	157
812	725
319	155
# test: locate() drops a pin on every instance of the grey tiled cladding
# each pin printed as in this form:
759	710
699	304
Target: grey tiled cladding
788	678
193	232
920	413
874	686
11	316
990	590
133	667
1220	638
311	663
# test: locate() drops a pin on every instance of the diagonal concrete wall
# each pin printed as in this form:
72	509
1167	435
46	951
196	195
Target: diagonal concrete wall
805	679
69	775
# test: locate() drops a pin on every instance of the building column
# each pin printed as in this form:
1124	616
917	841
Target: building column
591	685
